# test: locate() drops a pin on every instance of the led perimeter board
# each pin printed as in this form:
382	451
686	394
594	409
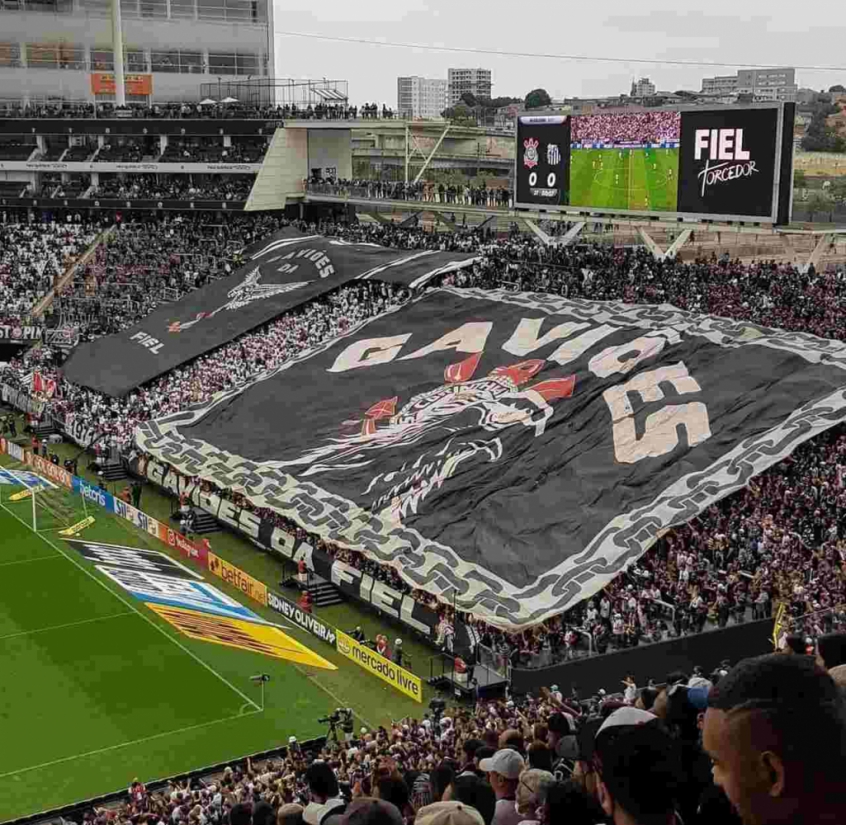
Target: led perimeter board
723	163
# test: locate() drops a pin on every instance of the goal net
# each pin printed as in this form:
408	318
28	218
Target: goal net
41	505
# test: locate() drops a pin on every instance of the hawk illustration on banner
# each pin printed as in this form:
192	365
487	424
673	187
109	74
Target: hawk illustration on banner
249	290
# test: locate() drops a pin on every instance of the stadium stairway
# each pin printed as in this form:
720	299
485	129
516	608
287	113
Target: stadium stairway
43	430
205	523
113	472
322	592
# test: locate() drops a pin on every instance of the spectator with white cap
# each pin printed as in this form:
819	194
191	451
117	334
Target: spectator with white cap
531	791
503	770
448	813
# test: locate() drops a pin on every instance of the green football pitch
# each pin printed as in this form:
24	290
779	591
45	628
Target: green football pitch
95	689
638	179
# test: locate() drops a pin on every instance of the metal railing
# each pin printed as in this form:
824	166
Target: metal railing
497	661
389	191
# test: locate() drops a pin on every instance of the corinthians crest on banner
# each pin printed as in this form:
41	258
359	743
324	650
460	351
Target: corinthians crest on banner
512	452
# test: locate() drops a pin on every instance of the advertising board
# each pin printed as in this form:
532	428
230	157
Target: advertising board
709	163
249	586
397	677
103	83
307	621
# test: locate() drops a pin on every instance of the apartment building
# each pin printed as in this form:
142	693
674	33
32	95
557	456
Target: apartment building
421	97
476	81
777	84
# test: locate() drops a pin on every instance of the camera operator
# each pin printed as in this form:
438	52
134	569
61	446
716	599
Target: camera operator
396	658
344	716
358	635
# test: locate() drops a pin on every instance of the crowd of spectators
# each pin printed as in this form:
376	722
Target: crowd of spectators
175	187
32	256
145	262
781	540
627	128
213	151
426	191
124	150
762	743
214	110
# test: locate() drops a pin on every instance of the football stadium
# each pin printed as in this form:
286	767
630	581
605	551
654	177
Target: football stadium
341	485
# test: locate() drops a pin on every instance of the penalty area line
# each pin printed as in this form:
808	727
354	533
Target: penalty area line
134	609
131	743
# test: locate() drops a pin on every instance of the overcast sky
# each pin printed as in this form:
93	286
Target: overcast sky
749	31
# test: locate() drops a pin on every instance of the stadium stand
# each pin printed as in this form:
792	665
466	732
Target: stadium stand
11	188
179	111
32	256
80	152
209	187
548	759
644	750
124	151
13	150
211	151
725	567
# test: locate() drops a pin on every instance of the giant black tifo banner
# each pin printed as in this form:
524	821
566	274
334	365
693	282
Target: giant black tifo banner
285	273
513	452
266	534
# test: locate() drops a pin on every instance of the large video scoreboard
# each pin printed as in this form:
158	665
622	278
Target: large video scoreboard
726	163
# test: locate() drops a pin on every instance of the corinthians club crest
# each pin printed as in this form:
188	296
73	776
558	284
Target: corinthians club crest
248	291
449	426
530	154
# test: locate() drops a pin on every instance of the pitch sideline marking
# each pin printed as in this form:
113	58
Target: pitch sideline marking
127	744
134	609
62	626
28	561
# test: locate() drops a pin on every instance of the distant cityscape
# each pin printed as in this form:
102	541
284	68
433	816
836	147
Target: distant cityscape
424	98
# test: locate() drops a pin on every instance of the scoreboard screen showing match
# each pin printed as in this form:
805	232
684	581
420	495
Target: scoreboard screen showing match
723	163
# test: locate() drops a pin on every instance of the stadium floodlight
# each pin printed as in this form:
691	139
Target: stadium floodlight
261	679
